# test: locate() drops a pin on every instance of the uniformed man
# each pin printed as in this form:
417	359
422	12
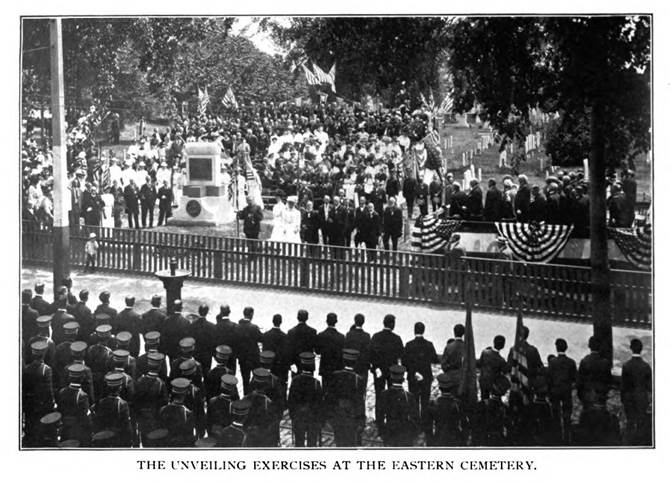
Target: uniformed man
597	426
104	439
226	334
204	334
561	378
452	357
113	413
305	403
174	329
38	393
492	422
636	390
124	341
98	320
129	320
545	431
158	438
359	340
276	341
78	352
491	365
186	348
248	338
235	435
346	396
38	303
177	418
418	357
445	421
152	319
329	345
60	317
43	323
74	405
385	351
195	398
105	308
593	375
83	315
301	338
28	316
118	364
49	430
263	411
219	406
212	384
63	355
399	413
151	394
98	357
276	390
152	341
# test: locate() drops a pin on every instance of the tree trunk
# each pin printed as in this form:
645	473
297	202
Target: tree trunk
600	278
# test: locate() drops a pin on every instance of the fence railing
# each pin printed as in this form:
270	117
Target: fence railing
545	289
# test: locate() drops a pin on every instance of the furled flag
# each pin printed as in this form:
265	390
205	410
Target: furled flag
203	101
468	386
635	243
520	390
331	75
536	241
432	233
311	78
229	100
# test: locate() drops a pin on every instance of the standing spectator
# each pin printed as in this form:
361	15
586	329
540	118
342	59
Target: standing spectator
91	250
418	357
459	202
537	210
252	216
359	340
474	204
385	351
636	389
522	200
248	338
629	187
409	191
493	205
422	198
593	376
164	202
435	192
93	208
616	206
491	366
370	227
392	224
329	345
131	196
561	377
148	202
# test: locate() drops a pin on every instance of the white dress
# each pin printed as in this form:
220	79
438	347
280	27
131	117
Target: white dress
278	222
108	219
291	223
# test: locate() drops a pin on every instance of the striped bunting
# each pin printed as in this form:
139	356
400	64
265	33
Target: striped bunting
534	242
431	233
635	244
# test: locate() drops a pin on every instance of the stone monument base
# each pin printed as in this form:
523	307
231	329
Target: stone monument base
203	211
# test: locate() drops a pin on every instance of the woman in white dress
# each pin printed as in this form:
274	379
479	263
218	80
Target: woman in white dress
291	221
278	219
108	199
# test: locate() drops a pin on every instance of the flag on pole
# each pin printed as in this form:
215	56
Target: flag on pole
519	364
203	100
447	104
468	386
331	75
432	233
322	77
311	78
229	100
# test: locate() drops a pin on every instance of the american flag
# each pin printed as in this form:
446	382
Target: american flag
447	104
322	77
331	75
229	100
431	233
311	78
519	367
203	101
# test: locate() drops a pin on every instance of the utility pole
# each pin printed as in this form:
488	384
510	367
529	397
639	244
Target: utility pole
61	228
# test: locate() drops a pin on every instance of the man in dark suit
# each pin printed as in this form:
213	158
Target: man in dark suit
28	316
130	321
173	330
329	345
370	227
131	196
452	357
385	350
392	224
418	357
422	198
301	338
83	315
252	215
164	203
310	224
305	402
275	340
561	377
594	375
38	303
636	390
148	202
105	308
493	204
359	340
580	212
326	220
38	391
491	365
248	337
226	334
459	202
409	189
204	333
152	319
398	412
60	318
537	210
474	202
346	397
522	200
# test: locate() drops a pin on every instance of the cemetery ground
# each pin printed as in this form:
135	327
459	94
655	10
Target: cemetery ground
439	323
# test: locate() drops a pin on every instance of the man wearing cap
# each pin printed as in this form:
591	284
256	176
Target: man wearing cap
452	357
276	341
173	330
91	252
186	348
492	422
636	391
83	315
204	334
260	423
151	394
74	404
399	413
491	365
128	320
123	340
222	355
118	365
301	338
28	316
113	413
235	435
418	357
358	339
105	308
43	323
276	390
38	303
445	421
195	398
561	378
152	319
305	403
98	357
248	337
177	418
131	195
48	431
63	355
385	350
219	405
346	397
329	345
226	334
78	352
38	393
152	341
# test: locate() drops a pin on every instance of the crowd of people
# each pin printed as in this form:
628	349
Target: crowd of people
365	163
104	377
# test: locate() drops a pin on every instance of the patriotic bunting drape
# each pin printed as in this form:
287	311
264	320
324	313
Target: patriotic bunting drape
431	233
635	244
534	242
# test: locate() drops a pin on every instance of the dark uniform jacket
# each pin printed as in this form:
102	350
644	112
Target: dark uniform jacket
452	357
151	394
113	413
142	366
359	340
74	405
204	333
28	322
226	334
636	385
301	338
219	411
248	337
445	422
60	318
491	365
493	204
561	375
594	375
41	305
329	344
417	357
38	392
106	309
369	226
277	341
212	384
491	424
305	399
233	436
180	423
83	315
399	411
385	350
174	329
129	320
260	423
152	320
346	395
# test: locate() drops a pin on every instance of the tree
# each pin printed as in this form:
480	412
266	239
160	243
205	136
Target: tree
594	68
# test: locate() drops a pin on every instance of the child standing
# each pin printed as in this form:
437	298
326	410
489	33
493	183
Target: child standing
91	250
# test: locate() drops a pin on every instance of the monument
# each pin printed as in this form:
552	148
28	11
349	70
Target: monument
205	200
